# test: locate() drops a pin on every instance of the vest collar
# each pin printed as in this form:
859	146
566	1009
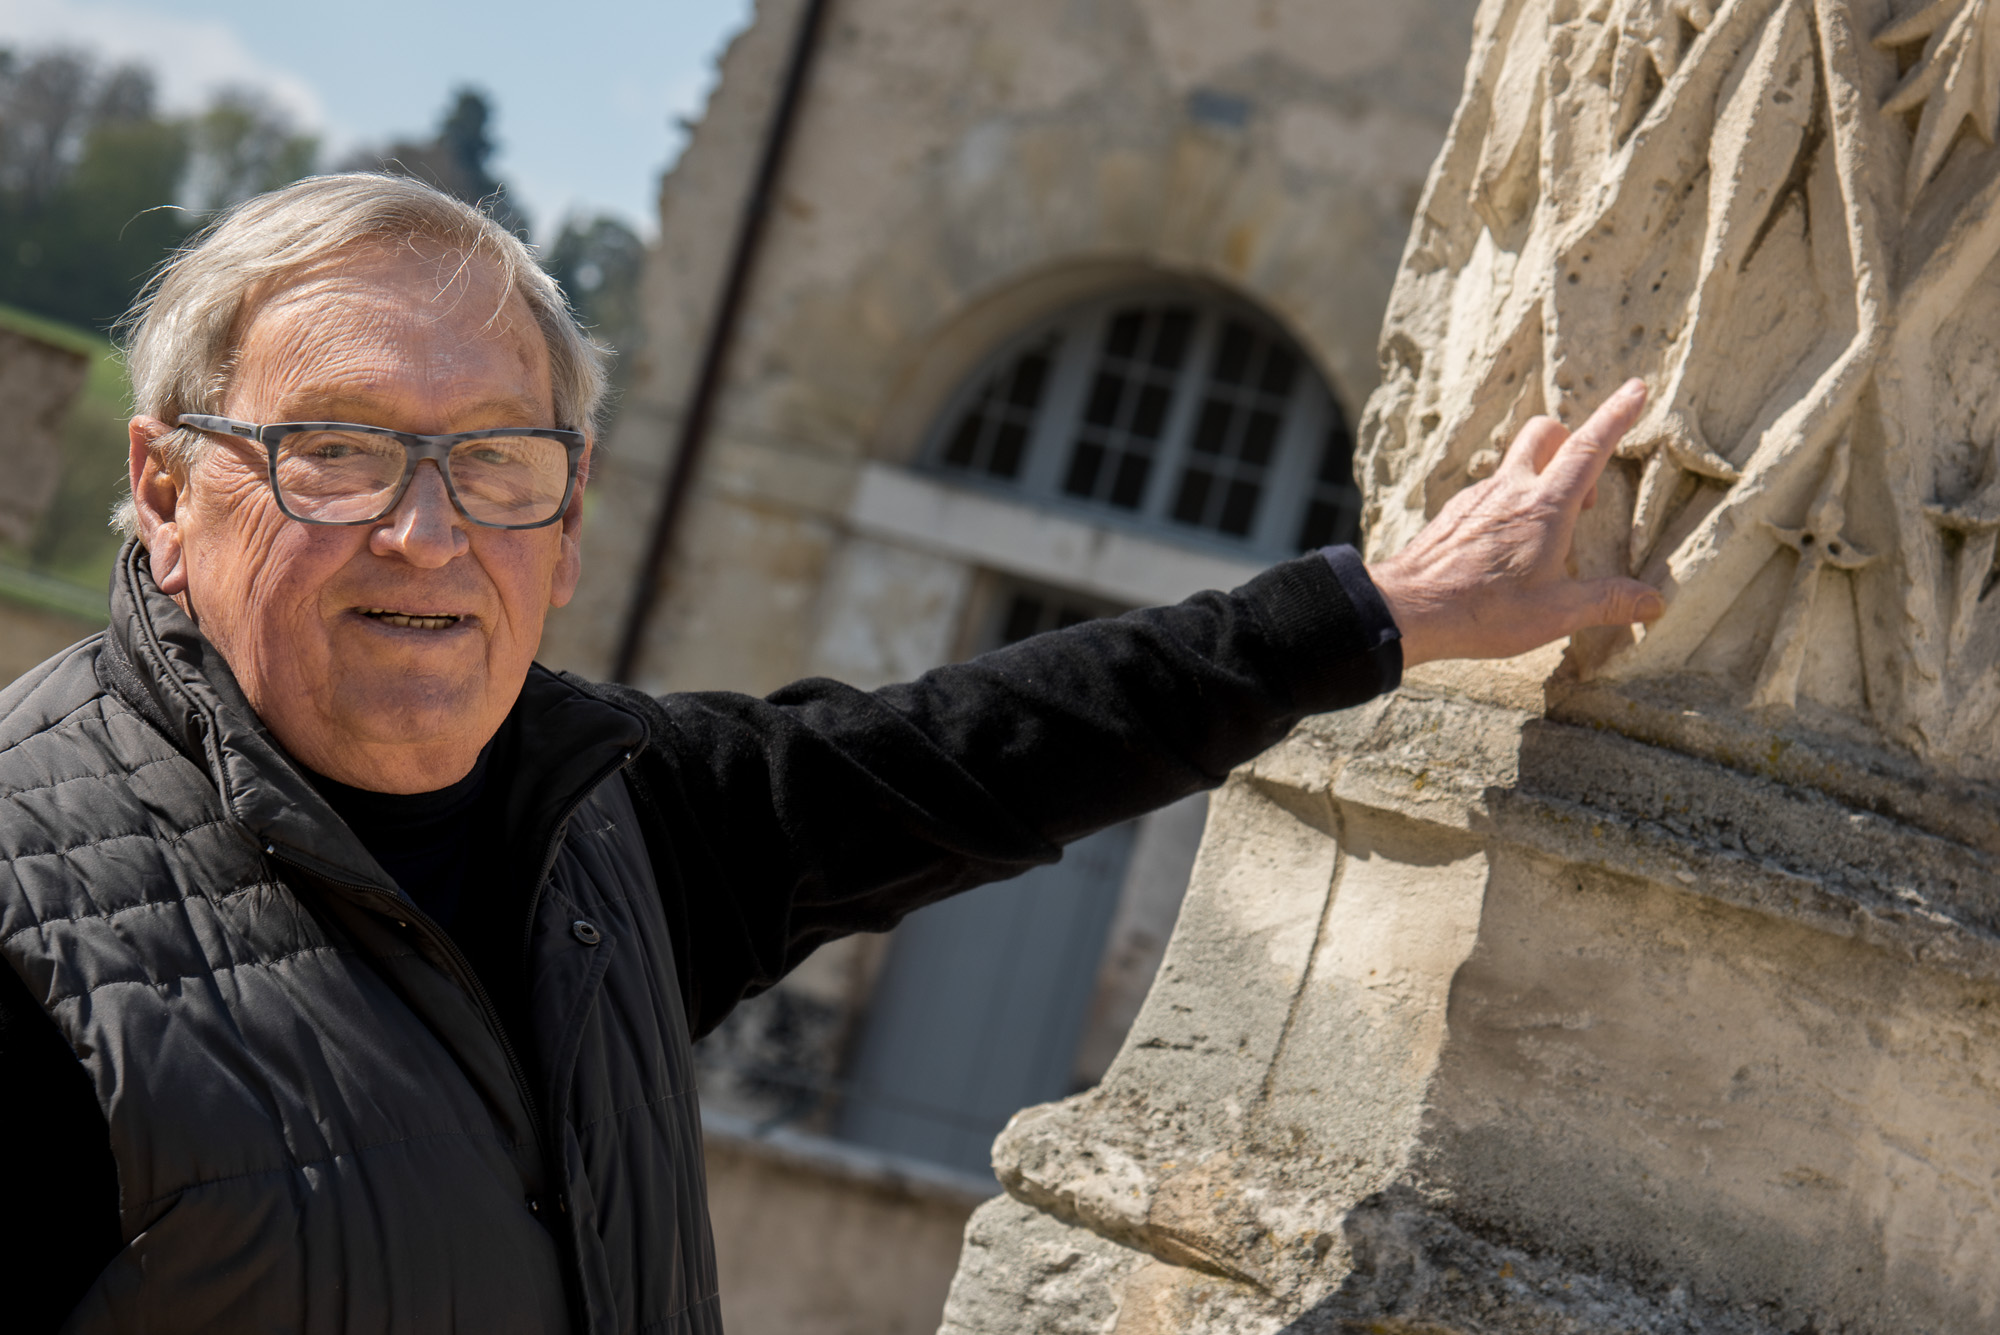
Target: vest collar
158	661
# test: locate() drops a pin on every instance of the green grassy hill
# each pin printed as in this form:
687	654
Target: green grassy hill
67	565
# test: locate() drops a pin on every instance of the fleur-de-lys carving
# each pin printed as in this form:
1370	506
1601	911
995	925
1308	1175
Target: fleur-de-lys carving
1776	107
1955	80
1636	32
1820	543
1976	524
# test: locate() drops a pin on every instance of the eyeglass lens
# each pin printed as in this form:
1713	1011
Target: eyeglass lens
347	476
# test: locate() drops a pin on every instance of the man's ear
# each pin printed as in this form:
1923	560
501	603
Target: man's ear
156	500
569	565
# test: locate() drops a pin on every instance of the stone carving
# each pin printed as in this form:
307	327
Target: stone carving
38	382
1785	215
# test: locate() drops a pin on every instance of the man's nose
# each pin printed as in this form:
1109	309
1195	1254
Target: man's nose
424	529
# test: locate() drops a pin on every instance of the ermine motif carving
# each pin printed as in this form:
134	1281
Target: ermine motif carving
1785	214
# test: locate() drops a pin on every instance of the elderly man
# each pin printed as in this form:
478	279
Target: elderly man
353	960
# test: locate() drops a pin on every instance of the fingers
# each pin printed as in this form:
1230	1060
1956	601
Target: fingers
1535	445
1615	602
1576	467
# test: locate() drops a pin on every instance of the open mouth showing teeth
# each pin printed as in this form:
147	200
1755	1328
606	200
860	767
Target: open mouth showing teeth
416	620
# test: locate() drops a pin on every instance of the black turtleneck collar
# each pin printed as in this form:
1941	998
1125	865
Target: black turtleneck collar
423	840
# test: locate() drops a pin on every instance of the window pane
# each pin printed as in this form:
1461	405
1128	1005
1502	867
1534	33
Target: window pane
1279	369
1193	496
963	442
1336	460
1233	357
1260	438
1319	526
1123	338
1334	513
1213	428
1067	616
1009	444
1104	396
1028	610
1024	618
1028	377
1152	412
1083	466
1240	508
1171	346
1130	487
992	438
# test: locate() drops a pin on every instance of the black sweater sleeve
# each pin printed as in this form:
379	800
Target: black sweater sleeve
779	824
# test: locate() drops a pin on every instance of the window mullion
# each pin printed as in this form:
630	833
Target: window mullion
1189	388
1062	403
1288	482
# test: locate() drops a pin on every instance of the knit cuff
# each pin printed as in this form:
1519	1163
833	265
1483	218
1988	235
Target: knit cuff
1330	622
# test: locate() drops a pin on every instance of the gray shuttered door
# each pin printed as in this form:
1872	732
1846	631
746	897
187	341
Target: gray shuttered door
980	1007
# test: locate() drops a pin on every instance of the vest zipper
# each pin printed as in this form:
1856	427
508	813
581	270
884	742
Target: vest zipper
579	1305
403	910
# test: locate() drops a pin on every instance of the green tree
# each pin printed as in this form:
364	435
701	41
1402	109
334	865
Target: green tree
242	145
456	159
90	175
96	187
599	261
45	111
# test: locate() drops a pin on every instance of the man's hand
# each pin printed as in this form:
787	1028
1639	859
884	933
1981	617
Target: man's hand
1489	577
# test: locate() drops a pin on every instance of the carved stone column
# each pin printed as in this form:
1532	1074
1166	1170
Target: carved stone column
1654	984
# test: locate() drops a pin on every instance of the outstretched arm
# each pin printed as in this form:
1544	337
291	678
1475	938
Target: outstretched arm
781	823
1489	578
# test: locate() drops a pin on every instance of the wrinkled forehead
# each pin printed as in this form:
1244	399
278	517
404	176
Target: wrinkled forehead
418	327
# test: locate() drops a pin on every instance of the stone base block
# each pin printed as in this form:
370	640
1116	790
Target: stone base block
1476	1021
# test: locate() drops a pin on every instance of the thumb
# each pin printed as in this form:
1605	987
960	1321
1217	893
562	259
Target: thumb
1615	602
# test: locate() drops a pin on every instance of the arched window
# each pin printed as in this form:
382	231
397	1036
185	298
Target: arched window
1192	417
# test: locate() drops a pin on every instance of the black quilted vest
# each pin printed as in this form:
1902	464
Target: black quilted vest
318	1122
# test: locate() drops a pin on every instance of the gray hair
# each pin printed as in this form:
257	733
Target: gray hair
180	336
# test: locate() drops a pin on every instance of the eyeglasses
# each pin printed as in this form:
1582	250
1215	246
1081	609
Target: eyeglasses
340	473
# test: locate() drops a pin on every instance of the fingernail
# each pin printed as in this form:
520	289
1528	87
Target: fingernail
1635	388
1652	607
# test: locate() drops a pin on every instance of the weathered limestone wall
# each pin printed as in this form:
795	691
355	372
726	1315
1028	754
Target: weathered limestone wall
1476	1021
38	382
810	1240
30	635
960	170
1645	985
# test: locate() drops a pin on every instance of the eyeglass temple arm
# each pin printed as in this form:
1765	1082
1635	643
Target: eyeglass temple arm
228	426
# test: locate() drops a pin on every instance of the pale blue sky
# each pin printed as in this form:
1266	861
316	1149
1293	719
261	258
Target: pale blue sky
586	93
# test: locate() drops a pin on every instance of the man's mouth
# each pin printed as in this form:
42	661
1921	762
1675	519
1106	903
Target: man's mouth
391	616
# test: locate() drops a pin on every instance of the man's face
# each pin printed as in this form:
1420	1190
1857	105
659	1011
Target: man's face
317	621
